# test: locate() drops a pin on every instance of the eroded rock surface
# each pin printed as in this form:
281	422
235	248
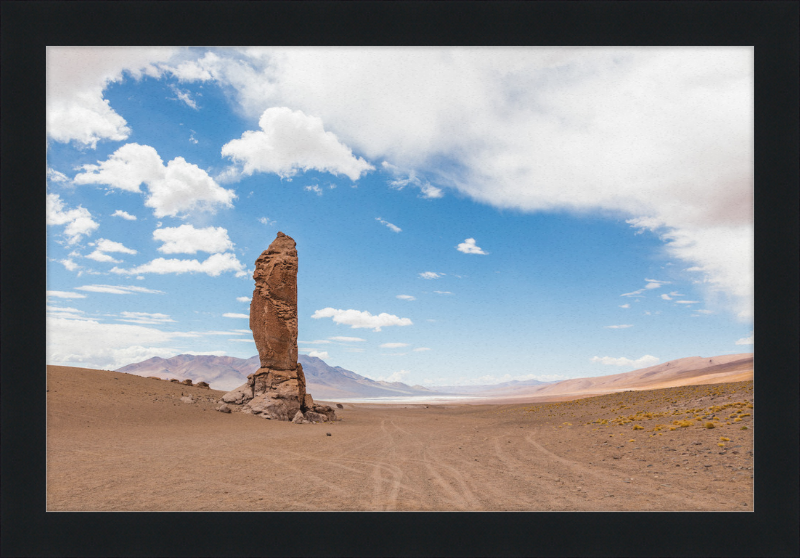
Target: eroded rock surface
277	390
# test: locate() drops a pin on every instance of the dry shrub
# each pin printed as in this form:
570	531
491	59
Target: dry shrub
637	427
710	425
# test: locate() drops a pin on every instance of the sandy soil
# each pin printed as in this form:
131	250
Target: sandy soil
122	442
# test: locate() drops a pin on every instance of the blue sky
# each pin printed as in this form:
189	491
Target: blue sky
461	215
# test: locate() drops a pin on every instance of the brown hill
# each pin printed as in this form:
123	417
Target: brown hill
680	372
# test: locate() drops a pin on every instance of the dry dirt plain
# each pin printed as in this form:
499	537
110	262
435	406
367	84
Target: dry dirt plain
121	442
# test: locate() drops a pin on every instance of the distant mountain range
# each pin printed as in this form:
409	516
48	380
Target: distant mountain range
227	373
334	382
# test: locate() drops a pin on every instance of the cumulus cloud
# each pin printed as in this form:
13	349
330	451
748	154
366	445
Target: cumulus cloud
76	79
395	376
234	315
623	326
185	97
420	349
393	345
687	301
641	362
266	221
392	227
625	305
243	298
124	214
443	292
347	339
78	221
746	340
117	289
291	141
188	240
656	112
358	319
174	190
318	354
314	188
675	293
666	297
406	297
104	245
430	275
64	294
214	265
54	176
402	179
469	247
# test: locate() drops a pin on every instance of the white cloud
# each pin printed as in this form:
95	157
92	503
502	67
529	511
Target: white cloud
76	79
675	293
78	221
469	247
634	294
89	343
625	305
188	240
653	286
395	376
347	339
243	298
117	289
213	266
317	342
144	318
623	326
291	141
124	214
420	349
234	315
318	354
358	319
392	227
314	188
55	176
266	221
242	340
641	362
666	297
99	256
745	340
174	190
403	179
430	275
406	297
687	301
657	113
185	97
443	292
393	345
704	311
65	294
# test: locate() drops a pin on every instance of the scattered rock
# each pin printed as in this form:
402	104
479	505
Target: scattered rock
223	408
299	418
171	380
327	433
187	399
154	377
187	382
339	406
203	385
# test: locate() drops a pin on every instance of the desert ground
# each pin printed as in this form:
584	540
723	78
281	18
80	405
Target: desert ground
119	442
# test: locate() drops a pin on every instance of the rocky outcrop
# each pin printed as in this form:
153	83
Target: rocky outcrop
277	390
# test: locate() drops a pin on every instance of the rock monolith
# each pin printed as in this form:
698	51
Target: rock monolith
277	390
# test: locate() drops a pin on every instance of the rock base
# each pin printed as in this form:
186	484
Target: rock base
278	395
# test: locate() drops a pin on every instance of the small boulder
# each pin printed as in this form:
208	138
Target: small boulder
339	406
187	382
203	385
223	408
299	418
187	399
154	377
171	380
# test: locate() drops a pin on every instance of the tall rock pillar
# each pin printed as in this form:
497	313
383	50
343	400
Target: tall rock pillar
277	390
